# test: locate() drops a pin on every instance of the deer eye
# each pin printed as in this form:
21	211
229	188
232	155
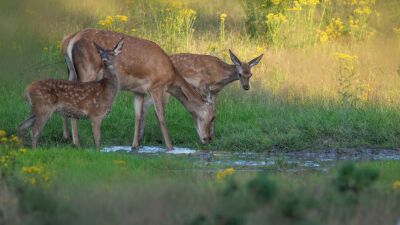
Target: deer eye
212	120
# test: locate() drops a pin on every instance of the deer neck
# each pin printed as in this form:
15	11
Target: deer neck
189	98
228	76
110	76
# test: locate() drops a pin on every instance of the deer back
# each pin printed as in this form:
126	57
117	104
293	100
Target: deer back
142	65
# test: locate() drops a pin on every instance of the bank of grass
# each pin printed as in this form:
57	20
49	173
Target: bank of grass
87	187
245	122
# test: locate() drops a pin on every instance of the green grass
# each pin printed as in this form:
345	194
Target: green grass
88	187
245	122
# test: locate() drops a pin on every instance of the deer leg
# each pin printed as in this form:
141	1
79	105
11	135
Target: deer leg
147	102
158	98
138	119
74	128
40	121
65	128
96	123
25	125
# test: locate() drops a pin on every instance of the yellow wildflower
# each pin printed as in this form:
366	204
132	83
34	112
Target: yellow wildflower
344	56
276	2
23	150
323	36
276	18
119	162
14	139
3	133
32	169
3	140
259	49
121	18
224	173
222	17
363	11
396	185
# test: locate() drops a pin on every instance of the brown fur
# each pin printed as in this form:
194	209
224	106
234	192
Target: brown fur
142	68
91	100
209	72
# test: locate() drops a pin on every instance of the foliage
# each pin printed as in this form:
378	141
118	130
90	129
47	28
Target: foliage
355	179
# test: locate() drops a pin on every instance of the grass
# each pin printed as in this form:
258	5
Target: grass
88	187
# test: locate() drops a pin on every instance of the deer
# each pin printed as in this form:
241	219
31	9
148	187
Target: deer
143	68
73	99
208	72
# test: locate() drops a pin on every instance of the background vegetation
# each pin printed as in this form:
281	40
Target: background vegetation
328	79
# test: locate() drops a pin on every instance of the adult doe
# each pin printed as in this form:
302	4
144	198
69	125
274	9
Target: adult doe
143	68
73	99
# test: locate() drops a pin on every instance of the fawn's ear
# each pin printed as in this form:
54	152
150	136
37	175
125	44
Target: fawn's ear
255	61
118	48
98	48
234	58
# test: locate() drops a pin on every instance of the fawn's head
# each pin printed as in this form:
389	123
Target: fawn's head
108	56
243	69
204	116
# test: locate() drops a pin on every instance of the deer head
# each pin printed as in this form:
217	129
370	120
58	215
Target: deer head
243	69
108	56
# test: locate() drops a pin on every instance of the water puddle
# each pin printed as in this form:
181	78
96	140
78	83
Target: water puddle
149	150
297	161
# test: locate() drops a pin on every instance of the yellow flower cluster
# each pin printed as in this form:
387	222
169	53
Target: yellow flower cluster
35	175
188	12
346	57
10	140
222	17
276	18
221	175
276	2
308	2
366	10
110	20
119	162
333	31
396	185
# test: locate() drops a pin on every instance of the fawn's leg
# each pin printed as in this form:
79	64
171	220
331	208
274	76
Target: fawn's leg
158	98
138	118
25	125
96	123
74	127
65	128
40	121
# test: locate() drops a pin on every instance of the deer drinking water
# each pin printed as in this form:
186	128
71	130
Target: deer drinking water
143	68
73	99
209	72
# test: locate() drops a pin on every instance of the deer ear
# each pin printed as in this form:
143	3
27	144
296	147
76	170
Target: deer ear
98	48
234	58
118	48
255	61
